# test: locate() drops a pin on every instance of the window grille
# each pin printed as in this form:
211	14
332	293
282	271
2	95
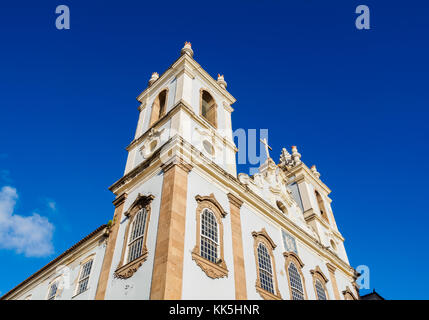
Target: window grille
135	246
209	236
84	277
265	270
321	295
295	283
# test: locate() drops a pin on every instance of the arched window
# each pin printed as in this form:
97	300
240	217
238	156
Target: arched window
295	282
321	205
208	251
265	270
209	236
208	108
319	283
53	290
135	243
134	250
85	272
320	290
348	294
266	278
158	107
295	277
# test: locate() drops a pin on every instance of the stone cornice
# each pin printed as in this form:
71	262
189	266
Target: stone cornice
176	161
302	172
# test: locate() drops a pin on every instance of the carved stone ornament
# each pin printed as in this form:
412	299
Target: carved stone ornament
211	269
126	270
130	268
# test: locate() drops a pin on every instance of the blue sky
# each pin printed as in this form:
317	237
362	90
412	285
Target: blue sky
354	102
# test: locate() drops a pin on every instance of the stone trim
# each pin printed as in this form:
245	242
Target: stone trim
293	257
318	275
167	275
234	200
263	237
126	270
237	247
177	162
331	270
348	294
214	106
153	117
212	270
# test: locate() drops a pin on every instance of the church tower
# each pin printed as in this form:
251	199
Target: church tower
187	103
186	226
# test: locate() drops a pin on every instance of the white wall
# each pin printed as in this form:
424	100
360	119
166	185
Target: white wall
39	290
138	286
196	284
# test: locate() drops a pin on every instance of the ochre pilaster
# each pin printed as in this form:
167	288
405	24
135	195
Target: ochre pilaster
237	247
331	270
110	249
168	264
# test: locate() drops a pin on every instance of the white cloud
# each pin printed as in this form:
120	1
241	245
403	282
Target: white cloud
52	205
30	235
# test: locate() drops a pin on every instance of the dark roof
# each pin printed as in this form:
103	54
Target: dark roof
76	245
372	296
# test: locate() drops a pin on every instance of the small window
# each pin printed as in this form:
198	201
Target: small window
84	277
135	245
295	282
53	289
208	108
265	270
158	107
320	290
321	205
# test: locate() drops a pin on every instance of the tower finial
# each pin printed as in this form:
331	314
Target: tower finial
153	78
315	172
296	155
187	49
221	81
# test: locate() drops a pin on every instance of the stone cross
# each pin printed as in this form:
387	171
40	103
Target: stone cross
266	147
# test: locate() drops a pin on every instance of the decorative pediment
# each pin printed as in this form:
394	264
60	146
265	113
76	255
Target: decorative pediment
348	294
294	256
263	233
318	271
211	199
140	202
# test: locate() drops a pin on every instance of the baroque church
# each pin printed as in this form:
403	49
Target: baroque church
187	226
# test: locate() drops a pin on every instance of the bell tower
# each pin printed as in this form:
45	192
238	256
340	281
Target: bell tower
312	196
186	102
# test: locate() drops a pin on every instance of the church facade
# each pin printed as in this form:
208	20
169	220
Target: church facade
186	226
